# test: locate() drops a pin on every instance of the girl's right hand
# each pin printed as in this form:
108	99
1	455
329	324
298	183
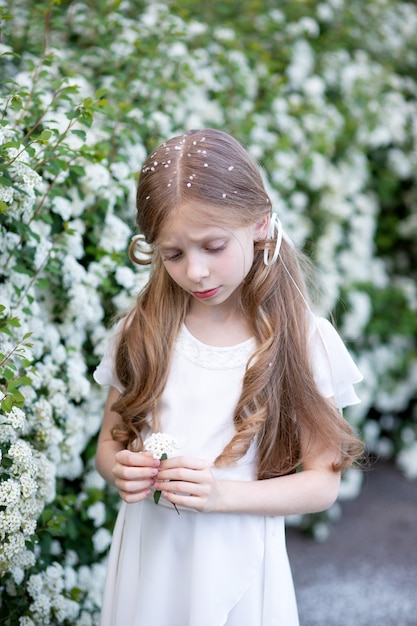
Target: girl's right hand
134	475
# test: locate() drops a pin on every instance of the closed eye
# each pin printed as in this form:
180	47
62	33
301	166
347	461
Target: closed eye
218	249
212	247
171	256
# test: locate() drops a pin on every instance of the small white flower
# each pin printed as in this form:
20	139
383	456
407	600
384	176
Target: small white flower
17	418
101	540
97	513
159	444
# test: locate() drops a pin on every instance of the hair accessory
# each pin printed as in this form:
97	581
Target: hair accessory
140	251
274	224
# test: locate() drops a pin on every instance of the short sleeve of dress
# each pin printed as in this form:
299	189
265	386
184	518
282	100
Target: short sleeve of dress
334	370
105	373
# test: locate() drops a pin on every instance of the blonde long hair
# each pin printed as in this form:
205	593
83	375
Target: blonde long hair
279	398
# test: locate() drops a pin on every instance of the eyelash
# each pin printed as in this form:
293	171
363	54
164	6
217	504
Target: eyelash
219	249
173	257
177	255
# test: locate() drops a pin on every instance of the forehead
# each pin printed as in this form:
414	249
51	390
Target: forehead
194	217
206	213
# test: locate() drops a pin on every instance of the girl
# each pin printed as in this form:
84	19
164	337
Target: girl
222	352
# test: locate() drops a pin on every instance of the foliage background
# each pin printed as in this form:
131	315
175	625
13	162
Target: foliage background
323	94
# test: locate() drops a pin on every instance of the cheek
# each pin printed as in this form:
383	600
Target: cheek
240	262
172	272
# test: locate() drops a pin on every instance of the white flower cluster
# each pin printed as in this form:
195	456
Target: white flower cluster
21	196
27	481
50	595
160	444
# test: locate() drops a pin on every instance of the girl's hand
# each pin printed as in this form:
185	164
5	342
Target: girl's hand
134	475
188	482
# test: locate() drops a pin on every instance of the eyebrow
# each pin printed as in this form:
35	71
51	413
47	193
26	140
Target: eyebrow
166	245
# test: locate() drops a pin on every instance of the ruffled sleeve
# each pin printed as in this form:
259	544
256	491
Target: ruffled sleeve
334	370
105	373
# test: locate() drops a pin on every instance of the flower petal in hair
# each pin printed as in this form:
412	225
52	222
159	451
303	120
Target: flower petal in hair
140	251
274	225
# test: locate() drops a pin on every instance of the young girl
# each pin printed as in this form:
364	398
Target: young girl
222	352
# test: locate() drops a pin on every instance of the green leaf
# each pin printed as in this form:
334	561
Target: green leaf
80	133
45	135
100	93
17	382
42	283
47	514
9	372
10	321
5	180
7	404
16	103
6	461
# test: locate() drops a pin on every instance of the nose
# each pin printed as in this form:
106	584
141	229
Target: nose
196	268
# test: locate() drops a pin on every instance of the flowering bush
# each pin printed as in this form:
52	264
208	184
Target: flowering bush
324	96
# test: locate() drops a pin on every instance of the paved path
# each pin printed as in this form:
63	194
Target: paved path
365	573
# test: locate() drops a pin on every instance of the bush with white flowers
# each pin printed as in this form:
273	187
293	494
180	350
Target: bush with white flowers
323	94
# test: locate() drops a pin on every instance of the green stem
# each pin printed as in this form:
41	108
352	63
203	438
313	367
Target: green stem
157	494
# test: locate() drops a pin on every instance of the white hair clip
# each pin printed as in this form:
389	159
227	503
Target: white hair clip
274	224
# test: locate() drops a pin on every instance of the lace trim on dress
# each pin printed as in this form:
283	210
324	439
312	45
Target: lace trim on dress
213	357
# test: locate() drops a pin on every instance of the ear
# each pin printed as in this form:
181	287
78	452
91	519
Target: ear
261	228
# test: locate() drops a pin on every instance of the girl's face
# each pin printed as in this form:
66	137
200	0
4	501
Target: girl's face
208	261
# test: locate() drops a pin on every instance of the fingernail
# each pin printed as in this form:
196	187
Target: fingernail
154	472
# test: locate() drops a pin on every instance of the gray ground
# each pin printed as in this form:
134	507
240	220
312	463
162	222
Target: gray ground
365	573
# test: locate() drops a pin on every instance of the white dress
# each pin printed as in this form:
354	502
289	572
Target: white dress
209	569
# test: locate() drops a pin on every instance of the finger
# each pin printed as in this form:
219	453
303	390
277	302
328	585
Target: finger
134	484
179	474
134	473
136	459
186	501
184	461
134	487
201	490
184	468
131	498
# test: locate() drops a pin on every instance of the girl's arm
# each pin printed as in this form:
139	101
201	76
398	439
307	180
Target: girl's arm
313	489
133	473
107	448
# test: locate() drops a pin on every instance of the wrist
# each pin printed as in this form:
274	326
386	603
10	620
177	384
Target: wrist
226	490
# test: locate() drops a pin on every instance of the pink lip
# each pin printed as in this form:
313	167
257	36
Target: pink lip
202	295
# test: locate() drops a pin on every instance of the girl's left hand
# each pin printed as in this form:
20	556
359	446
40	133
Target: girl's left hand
188	482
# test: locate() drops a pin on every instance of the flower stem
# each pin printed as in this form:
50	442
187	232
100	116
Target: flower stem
157	494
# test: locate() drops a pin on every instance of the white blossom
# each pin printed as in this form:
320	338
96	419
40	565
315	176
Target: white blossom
101	540
97	513
159	444
16	417
302	63
115	234
126	277
407	461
